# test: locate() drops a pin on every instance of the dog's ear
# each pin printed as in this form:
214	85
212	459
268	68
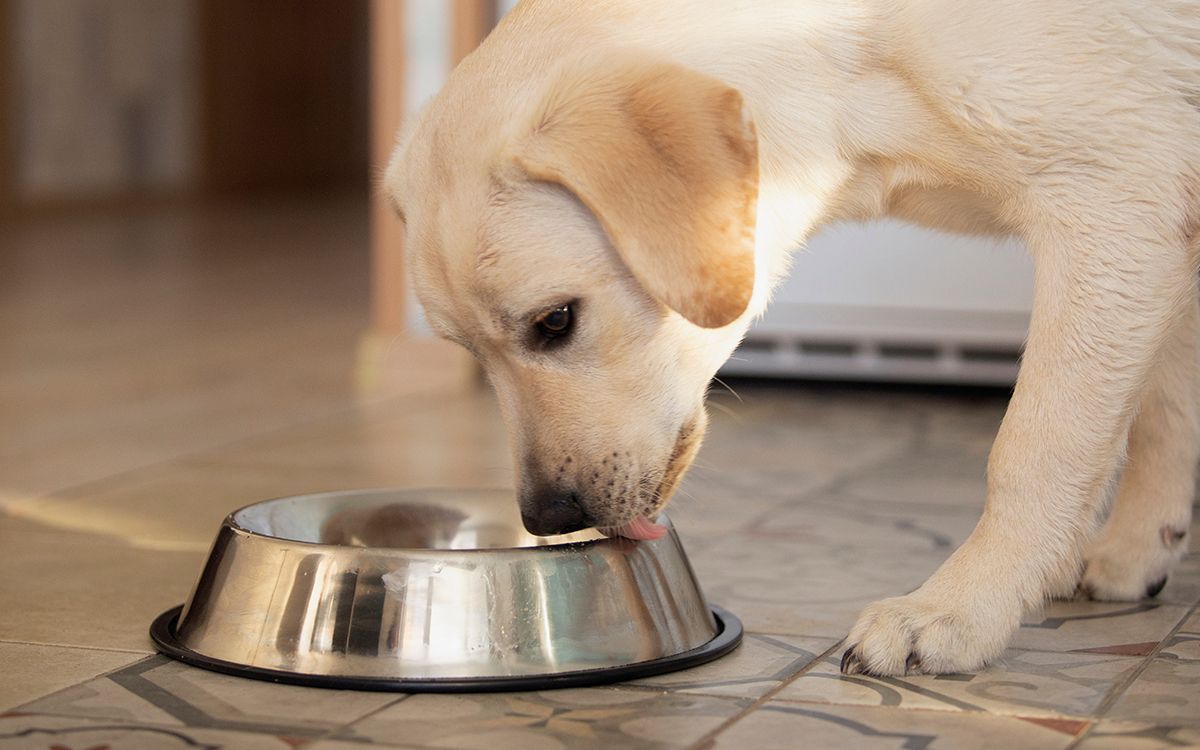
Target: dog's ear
667	160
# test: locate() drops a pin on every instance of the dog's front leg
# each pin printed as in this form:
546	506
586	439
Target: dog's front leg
1107	289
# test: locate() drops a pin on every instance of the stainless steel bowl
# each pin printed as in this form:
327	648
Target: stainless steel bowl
437	590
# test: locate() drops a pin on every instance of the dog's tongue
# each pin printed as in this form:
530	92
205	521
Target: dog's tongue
641	529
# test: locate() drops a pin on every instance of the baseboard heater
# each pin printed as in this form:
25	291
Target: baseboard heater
883	344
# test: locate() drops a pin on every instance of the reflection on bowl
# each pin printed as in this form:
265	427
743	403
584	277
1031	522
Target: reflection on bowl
437	589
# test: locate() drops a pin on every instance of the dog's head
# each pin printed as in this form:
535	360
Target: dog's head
595	251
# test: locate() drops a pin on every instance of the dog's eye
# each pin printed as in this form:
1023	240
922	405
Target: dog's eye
555	323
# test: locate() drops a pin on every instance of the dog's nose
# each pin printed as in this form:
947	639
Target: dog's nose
548	512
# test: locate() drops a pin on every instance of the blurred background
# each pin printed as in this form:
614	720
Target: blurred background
192	250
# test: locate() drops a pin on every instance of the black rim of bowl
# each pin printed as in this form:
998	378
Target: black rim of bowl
729	635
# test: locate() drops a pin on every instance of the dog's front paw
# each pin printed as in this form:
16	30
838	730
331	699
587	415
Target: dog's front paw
1128	564
926	633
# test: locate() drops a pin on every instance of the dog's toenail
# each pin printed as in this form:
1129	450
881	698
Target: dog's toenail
1153	589
851	664
912	664
1086	591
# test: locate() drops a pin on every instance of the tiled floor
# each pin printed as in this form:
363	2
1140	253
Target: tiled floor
163	370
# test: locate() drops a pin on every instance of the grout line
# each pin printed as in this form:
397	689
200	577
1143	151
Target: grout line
832	483
49	644
1117	690
56	691
342	727
708	738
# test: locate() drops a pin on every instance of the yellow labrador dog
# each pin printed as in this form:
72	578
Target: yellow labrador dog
601	198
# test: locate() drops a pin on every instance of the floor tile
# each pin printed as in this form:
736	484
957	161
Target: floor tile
799	439
712	505
179	505
1185	643
1113	735
1166	692
787	726
810	567
1020	683
159	691
33	670
580	719
932	475
437	438
398	744
33	732
215	325
807	594
1112	627
170	507
834	515
758	666
88	590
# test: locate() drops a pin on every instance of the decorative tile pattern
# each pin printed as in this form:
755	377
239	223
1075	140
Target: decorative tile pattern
358	745
761	664
1167	693
1185	643
162	692
787	726
1110	627
600	718
1021	683
713	505
810	566
32	732
805	591
933	476
1111	735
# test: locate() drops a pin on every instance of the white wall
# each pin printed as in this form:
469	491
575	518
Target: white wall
891	264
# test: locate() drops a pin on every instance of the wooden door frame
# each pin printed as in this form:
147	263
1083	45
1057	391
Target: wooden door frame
387	55
470	22
388	357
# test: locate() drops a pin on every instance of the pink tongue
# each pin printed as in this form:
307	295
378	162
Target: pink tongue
642	529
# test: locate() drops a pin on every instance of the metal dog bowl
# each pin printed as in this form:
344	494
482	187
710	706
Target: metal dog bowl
437	591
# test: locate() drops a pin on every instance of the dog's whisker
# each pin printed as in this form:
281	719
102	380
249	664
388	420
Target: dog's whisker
681	493
725	410
728	388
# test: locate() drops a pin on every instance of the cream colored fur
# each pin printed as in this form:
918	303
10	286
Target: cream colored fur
598	151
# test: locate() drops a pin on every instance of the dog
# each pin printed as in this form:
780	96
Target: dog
602	196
